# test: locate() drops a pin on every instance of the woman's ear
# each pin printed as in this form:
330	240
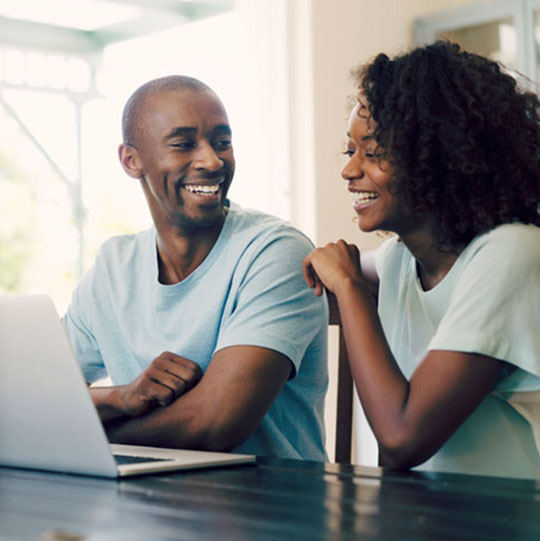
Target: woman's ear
130	160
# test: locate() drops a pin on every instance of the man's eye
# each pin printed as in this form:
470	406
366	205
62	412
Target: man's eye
183	145
223	144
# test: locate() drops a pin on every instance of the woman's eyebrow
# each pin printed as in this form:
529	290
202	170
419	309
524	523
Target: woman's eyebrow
367	137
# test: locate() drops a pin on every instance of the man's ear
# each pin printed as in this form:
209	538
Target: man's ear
130	160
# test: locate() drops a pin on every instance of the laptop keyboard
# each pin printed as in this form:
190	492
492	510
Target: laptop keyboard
127	459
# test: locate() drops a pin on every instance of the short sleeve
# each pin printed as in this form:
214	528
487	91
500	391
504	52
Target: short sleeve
495	306
78	324
273	306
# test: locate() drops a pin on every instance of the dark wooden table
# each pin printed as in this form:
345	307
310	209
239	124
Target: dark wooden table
274	499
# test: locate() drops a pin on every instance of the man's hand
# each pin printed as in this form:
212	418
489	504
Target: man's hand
167	377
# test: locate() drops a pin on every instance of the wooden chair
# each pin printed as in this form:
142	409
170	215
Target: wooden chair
344	390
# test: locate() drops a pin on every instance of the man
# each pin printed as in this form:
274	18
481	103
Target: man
204	323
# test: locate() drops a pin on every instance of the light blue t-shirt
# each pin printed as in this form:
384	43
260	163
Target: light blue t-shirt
488	303
248	291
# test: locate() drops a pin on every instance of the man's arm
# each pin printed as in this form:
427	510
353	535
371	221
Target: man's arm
221	411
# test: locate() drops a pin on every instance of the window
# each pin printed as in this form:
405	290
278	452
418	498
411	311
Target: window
504	30
62	190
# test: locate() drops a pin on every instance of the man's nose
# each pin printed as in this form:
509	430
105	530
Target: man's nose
207	158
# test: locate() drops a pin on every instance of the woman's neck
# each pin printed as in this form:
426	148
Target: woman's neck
432	262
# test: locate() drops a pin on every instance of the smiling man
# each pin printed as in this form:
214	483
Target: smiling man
203	322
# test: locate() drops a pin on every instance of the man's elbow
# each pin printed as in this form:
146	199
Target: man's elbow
223	438
214	435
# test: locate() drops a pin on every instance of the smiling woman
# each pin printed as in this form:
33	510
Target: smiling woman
443	151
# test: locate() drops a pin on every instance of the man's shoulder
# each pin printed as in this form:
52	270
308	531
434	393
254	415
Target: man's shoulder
125	244
256	223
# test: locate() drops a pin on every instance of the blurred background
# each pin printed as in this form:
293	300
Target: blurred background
282	69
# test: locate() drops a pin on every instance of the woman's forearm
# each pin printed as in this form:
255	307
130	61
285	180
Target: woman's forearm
381	386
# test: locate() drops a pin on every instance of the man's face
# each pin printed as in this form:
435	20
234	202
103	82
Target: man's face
186	158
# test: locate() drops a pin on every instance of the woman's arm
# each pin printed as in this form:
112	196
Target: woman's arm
410	419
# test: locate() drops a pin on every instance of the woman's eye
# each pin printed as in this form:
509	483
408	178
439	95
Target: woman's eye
348	152
373	155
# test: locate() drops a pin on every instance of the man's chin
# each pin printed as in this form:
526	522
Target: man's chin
194	224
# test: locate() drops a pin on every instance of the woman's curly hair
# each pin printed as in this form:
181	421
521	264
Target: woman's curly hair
463	139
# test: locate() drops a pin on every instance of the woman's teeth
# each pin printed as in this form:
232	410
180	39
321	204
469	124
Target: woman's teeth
364	197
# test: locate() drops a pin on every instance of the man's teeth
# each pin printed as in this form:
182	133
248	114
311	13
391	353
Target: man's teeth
204	190
364	197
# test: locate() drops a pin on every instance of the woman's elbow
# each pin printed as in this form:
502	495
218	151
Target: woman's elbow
402	450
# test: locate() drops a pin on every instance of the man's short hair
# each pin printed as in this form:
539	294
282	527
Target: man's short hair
134	108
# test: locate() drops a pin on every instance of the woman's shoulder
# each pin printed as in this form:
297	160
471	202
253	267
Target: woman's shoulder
513	240
510	233
508	254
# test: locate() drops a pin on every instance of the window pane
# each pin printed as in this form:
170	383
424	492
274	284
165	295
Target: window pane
496	40
537	41
38	240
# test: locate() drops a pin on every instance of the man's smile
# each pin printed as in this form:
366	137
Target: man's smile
204	189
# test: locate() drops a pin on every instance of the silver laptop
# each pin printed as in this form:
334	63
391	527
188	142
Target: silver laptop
47	418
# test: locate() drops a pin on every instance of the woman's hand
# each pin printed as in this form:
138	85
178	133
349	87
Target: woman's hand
334	265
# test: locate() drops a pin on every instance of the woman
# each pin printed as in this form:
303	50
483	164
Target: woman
444	150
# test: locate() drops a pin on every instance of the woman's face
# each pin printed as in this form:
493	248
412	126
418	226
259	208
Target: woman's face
370	177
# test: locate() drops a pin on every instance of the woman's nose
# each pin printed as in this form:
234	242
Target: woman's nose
352	170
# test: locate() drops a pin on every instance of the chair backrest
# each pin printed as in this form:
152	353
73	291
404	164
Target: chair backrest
344	413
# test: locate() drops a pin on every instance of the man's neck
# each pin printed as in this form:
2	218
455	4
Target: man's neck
180	254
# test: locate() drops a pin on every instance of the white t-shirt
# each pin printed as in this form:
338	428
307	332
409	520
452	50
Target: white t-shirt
488	303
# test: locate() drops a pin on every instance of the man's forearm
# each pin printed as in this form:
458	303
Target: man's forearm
179	425
108	404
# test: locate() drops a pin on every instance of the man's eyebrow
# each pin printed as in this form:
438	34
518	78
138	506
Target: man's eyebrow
222	129
179	131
